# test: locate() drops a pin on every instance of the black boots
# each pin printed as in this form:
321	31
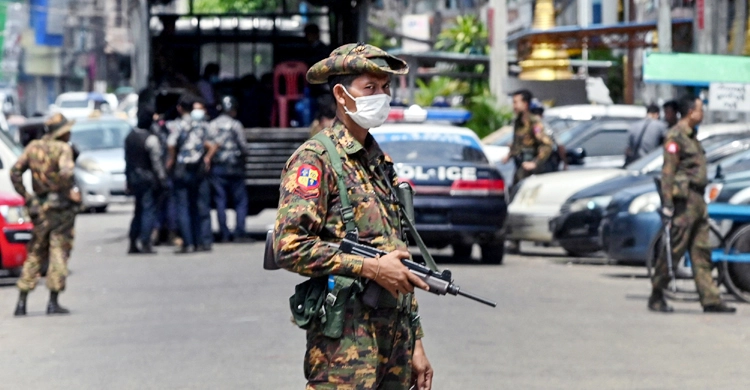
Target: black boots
656	302
133	249
21	305
144	249
719	308
53	307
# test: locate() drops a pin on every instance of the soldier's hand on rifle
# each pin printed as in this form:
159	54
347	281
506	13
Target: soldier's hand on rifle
391	274
528	165
667	212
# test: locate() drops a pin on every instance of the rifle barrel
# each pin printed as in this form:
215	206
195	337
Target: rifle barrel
476	298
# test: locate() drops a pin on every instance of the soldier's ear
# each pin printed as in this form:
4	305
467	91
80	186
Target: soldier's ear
339	94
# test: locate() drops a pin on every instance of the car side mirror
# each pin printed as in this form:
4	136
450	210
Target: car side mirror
719	173
576	156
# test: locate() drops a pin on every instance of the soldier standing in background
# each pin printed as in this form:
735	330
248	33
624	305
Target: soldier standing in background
228	168
683	184
53	207
531	145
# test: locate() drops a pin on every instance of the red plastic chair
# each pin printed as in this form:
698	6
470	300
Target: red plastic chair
292	74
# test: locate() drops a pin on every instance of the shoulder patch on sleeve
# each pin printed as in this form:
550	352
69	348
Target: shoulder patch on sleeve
672	147
308	181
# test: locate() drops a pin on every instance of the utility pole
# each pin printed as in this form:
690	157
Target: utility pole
498	49
665	41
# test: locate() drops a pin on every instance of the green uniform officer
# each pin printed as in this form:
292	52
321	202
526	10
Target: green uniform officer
531	145
683	183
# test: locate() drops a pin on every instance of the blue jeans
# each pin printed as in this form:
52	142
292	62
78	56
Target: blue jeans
224	186
144	217
193	197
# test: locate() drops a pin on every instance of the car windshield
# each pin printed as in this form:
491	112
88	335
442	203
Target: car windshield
99	135
13	145
654	160
568	135
426	148
74	104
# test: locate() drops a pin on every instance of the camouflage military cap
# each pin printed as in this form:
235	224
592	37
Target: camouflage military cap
58	125
356	58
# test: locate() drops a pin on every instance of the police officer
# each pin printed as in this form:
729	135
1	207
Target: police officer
190	160
146	179
531	145
379	348
683	183
228	168
53	207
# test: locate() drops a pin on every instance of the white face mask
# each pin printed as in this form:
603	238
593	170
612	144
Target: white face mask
372	111
198	115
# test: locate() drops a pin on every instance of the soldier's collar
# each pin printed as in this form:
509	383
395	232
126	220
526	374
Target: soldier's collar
346	140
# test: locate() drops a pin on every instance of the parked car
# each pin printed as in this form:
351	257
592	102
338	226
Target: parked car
566	117
576	229
16	227
76	105
100	168
460	196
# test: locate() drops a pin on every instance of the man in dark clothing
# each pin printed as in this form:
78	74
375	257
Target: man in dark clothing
645	135
670	113
146	178
228	168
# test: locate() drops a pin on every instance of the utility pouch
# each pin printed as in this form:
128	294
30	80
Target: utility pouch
376	297
269	256
307	303
340	290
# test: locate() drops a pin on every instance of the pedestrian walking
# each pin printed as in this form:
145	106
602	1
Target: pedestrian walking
52	207
227	134
190	160
146	180
364	347
531	145
683	184
645	135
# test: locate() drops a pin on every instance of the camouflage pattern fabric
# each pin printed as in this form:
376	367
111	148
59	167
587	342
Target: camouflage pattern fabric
356	58
229	134
190	135
684	164
690	233
309	215
51	164
52	238
530	143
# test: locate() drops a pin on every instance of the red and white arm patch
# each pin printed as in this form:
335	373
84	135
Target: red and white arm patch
672	147
308	181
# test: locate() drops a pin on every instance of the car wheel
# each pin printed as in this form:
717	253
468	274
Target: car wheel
462	251
100	209
493	253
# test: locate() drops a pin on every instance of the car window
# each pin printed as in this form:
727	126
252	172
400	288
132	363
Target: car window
99	135
424	147
605	143
14	146
74	104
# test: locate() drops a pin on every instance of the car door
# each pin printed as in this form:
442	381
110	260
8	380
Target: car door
605	146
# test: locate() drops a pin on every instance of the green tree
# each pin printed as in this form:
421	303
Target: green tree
234	6
467	36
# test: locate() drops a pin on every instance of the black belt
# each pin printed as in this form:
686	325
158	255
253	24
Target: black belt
697	188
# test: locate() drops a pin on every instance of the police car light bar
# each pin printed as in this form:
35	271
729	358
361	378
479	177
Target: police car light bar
419	114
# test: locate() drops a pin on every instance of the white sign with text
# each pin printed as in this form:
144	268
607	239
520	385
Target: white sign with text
729	97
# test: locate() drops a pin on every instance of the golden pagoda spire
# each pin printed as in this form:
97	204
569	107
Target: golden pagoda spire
548	61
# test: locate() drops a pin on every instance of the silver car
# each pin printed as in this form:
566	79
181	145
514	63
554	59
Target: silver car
100	168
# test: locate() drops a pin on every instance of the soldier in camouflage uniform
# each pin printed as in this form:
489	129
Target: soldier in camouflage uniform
531	145
228	168
53	207
683	183
379	348
189	160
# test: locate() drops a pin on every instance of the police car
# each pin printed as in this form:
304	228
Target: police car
459	196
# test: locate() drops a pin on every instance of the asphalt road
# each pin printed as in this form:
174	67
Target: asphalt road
218	321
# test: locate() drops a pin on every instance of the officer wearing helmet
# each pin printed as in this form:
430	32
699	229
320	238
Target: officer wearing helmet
368	347
228	168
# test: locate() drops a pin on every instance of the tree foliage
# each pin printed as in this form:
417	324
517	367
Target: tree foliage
467	36
234	6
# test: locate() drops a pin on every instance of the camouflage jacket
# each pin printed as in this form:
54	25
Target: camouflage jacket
229	135
530	141
684	164
51	164
309	212
188	137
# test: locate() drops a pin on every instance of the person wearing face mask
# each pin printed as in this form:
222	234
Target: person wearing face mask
375	347
190	154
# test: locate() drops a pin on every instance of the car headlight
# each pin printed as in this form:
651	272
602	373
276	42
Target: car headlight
713	191
90	166
14	214
646	203
600	202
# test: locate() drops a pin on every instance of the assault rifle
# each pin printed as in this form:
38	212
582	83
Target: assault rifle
440	283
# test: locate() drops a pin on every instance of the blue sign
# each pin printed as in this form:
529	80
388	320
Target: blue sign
46	19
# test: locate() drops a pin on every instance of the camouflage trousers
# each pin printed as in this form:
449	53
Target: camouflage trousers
690	232
52	240
374	352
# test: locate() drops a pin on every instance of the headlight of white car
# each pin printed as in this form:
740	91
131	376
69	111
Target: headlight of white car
646	203
90	166
713	191
590	203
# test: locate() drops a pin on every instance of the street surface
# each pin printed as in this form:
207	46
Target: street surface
219	321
